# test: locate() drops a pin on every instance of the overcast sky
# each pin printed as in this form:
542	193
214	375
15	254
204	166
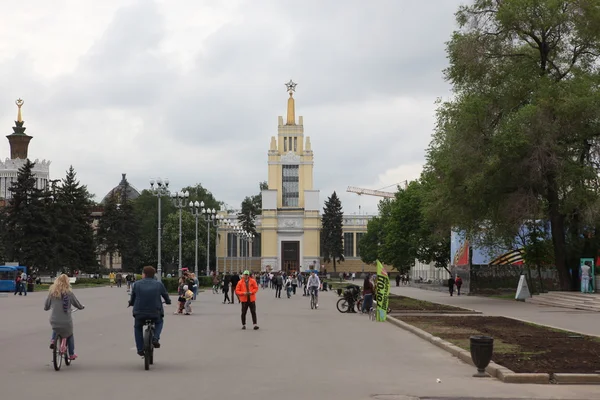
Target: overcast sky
191	89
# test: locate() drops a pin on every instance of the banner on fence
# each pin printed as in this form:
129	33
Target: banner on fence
382	292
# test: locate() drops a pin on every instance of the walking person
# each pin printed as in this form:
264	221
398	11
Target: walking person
458	282
246	290
584	276
294	283
451	283
235	278
119	279
18	286
226	284
367	293
397	280
278	285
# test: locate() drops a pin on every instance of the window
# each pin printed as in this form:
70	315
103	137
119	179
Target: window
290	190
231	245
285	144
256	246
295	144
359	237
349	244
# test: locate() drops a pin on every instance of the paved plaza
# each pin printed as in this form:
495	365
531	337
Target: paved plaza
296	354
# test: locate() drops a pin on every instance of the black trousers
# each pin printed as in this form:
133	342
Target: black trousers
278	290
252	306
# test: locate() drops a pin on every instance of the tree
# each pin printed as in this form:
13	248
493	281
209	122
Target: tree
108	233
29	231
128	241
250	208
74	241
369	244
520	136
332	236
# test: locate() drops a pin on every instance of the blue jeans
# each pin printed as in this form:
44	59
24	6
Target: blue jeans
138	330
367	303
70	343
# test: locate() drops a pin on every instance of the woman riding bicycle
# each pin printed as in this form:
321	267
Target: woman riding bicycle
60	299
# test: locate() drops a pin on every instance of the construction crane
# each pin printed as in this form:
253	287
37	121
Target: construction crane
370	192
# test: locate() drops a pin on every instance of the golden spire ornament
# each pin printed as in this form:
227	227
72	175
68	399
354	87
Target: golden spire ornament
19	102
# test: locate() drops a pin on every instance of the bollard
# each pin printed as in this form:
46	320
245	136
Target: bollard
482	348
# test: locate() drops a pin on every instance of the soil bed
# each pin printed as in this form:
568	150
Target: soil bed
402	303
518	346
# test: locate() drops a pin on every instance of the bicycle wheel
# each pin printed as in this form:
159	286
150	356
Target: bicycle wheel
66	354
56	355
147	348
151	346
312	301
342	305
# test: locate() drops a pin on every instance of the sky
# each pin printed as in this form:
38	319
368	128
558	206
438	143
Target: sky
190	90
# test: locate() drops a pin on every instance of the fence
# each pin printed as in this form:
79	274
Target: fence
499	278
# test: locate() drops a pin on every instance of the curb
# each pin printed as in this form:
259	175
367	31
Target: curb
495	370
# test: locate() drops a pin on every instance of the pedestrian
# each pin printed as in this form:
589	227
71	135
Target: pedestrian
188	295
119	279
235	278
397	280
278	285
451	283
294	283
246	290
111	278
195	287
226	284
367	293
458	282
18	286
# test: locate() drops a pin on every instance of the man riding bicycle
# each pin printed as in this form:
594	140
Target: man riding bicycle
313	285
147	305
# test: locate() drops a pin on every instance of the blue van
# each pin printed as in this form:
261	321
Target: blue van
7	277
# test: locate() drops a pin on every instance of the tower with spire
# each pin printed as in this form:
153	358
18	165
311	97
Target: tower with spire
290	220
19	153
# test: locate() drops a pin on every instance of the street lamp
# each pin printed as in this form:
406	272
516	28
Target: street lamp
195	210
161	189
179	199
209	216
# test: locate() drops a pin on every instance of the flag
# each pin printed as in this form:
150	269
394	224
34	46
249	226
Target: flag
382	292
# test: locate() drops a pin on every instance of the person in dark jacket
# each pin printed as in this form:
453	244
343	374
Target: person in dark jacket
235	278
458	282
146	299
368	294
451	285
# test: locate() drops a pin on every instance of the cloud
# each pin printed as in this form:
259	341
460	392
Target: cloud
191	91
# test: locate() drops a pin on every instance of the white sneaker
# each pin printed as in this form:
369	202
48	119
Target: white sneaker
317	305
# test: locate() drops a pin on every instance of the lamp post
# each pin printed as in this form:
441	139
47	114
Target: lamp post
161	189
179	199
221	221
209	216
195	210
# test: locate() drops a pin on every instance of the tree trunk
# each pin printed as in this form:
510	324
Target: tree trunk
110	260
334	269
557	228
539	270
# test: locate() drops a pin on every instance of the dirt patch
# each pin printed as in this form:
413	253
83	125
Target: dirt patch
402	303
519	346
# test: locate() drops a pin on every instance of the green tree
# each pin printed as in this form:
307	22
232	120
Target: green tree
332	236
29	229
250	208
108	233
369	244
74	245
128	242
520	134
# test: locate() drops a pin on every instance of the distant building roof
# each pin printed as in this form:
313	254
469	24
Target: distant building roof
132	192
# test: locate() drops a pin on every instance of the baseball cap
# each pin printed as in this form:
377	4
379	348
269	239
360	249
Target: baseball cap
246	272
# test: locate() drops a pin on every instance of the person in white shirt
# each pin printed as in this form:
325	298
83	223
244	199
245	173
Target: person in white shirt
585	277
313	284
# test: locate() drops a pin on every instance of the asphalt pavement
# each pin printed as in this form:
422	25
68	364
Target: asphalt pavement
297	354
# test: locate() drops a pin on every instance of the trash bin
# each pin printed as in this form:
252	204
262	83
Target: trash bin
30	287
325	286
482	348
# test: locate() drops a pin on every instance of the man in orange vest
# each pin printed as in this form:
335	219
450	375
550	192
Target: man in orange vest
246	290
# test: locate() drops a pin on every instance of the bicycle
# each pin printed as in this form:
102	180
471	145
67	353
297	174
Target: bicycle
149	343
313	300
60	351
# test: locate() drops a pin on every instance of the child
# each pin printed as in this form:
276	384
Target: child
188	296
182	300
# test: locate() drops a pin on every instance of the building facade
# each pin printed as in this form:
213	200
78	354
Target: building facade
19	148
288	231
